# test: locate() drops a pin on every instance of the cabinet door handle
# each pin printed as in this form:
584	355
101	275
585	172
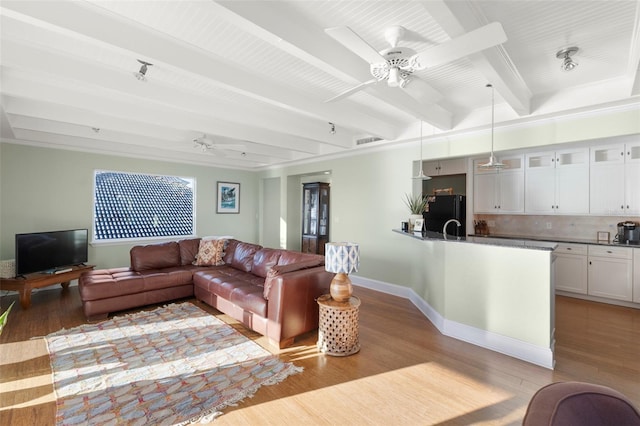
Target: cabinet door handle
569	248
622	207
609	251
589	262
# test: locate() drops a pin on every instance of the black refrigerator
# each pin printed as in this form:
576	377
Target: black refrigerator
445	207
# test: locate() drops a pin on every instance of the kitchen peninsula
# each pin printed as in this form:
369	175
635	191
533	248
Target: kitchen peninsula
498	295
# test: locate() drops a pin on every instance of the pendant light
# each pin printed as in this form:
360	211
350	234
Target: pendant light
493	161
421	174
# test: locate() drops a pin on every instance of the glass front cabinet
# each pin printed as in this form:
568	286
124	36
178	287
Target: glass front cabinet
315	217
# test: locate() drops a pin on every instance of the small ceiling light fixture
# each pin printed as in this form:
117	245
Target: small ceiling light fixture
332	129
421	174
493	162
141	75
568	64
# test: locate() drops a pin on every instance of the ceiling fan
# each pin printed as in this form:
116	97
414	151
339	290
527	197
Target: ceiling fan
207	144
397	64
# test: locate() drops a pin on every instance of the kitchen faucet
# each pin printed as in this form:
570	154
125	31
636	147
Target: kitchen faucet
444	228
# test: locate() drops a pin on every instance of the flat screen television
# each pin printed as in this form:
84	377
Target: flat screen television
48	251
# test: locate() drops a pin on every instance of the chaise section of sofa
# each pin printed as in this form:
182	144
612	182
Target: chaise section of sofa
158	273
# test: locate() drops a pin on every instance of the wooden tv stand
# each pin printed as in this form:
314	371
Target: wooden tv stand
40	279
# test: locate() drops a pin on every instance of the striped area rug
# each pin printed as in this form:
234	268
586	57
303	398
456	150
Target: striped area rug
168	366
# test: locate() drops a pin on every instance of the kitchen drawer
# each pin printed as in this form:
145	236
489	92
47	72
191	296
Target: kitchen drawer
608	251
580	249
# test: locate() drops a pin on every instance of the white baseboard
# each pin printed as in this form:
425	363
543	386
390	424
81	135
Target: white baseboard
496	342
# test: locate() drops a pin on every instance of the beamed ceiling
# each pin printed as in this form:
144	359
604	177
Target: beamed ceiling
251	79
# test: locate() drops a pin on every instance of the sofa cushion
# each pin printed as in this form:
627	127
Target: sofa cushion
288	257
155	256
264	260
250	299
229	250
243	256
166	278
277	270
106	283
210	253
222	282
188	250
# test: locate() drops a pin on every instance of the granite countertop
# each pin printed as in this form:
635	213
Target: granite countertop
506	242
555	239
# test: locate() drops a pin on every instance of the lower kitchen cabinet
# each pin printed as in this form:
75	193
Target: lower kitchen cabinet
610	272
571	268
636	275
597	270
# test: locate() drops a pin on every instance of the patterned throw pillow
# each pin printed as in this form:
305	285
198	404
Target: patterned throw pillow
210	253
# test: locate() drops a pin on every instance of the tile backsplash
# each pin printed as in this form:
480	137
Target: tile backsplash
578	227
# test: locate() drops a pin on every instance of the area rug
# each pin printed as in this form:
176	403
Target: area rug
173	365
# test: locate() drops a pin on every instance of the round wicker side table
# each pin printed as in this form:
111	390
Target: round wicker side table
338	326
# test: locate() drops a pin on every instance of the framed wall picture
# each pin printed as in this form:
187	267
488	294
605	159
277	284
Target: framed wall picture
228	197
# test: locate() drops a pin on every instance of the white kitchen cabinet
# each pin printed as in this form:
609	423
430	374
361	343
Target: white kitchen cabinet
499	191
614	180
454	166
556	182
571	268
610	272
636	275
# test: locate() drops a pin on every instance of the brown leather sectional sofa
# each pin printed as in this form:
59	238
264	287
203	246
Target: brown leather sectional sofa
271	291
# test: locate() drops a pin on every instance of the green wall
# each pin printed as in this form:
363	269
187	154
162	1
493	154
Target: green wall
44	189
50	189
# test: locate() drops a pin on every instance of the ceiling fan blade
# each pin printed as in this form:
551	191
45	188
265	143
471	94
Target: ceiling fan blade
353	42
474	41
422	91
351	91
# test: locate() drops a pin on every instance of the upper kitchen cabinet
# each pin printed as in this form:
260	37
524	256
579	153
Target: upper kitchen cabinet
499	191
556	182
615	180
454	166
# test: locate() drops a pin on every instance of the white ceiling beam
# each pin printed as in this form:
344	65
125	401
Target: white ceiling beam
291	32
459	17
25	56
151	114
633	68
96	23
29	137
184	144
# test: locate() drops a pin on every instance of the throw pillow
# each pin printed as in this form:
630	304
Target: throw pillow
210	253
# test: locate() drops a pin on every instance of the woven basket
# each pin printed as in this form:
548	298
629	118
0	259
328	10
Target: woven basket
7	268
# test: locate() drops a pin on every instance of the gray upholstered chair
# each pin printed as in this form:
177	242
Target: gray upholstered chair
583	404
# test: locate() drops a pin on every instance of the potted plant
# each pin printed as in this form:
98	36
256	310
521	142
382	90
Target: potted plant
416	205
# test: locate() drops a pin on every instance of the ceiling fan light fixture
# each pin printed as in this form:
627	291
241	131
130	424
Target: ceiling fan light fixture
493	161
568	64
394	77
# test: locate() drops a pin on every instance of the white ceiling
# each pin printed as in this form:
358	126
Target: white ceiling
257	73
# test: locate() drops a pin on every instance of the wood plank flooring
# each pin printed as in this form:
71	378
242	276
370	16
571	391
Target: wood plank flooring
406	373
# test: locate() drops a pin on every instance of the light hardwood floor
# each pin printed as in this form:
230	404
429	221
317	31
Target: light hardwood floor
406	373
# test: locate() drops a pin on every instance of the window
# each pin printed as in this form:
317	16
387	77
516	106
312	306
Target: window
133	206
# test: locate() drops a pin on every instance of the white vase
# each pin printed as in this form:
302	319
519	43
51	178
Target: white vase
412	219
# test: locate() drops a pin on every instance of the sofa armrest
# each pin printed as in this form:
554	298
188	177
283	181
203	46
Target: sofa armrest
292	308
